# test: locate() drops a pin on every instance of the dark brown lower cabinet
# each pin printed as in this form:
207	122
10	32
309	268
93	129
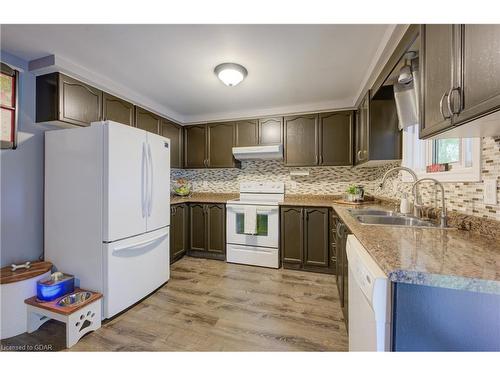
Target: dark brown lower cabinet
178	231
342	267
207	230
305	239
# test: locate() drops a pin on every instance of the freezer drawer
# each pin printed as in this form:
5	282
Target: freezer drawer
133	268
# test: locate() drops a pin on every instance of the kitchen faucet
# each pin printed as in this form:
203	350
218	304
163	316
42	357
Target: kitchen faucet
416	197
444	218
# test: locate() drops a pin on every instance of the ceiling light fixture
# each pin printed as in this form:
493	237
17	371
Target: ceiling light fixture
230	73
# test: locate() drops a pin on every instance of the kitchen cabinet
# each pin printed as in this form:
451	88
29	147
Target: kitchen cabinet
220	145
207	230
341	268
271	131
479	91
378	138
437	60
195	146
459	68
216	228
319	139
305	239
210	146
361	141
178	231
116	109
292	236
65	100
301	140
174	132
247	133
335	138
147	120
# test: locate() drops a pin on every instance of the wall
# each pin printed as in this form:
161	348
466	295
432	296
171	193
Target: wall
461	197
21	180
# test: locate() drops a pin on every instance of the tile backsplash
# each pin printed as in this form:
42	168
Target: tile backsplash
464	197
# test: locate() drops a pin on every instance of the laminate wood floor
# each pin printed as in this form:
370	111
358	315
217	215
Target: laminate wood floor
210	305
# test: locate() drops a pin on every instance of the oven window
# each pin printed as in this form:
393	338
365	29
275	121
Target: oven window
261	224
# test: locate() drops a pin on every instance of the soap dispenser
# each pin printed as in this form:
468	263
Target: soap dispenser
405	205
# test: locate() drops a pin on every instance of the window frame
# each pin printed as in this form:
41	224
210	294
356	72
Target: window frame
7	70
418	153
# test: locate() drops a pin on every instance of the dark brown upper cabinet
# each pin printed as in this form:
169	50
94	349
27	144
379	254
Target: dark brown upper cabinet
479	91
65	100
207	230
336	137
301	140
459	68
305	239
247	133
210	146
147	120
174	132
178	231
195	146
220	145
378	138
319	139
437	56
361	131
116	109
271	131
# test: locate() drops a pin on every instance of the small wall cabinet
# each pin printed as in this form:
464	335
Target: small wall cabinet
378	138
65	100
174	132
306	239
118	110
147	120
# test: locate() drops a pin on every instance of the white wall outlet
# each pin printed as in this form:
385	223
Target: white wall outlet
490	191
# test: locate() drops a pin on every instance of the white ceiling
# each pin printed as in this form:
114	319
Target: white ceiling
291	68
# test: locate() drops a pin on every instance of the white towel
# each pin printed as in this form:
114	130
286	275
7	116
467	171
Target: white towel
250	220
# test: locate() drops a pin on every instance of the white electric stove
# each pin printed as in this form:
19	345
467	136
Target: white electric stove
260	245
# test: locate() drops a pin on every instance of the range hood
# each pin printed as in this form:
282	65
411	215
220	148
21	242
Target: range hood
272	152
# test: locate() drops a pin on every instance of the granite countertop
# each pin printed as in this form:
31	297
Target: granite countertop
448	258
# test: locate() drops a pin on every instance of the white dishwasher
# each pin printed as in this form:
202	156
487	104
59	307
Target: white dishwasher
369	301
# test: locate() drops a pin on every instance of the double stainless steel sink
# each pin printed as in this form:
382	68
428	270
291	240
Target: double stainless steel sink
390	218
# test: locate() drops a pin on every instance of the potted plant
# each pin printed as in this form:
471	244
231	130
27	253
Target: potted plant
354	193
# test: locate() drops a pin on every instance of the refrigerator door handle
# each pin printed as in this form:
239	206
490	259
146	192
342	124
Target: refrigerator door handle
150	198
144	180
139	244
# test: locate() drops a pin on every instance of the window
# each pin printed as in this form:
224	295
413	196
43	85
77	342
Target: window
8	106
462	154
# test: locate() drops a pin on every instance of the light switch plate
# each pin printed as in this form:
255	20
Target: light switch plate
490	191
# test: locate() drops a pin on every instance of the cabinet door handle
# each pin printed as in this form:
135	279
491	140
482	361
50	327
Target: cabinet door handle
441	102
361	152
451	104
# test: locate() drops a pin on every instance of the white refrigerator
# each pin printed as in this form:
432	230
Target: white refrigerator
107	210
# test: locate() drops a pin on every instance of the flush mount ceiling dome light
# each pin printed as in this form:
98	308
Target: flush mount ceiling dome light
230	73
